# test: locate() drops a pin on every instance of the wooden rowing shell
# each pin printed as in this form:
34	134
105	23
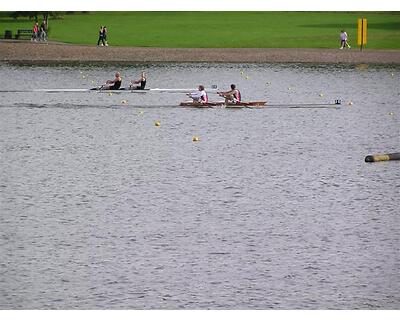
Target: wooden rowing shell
223	104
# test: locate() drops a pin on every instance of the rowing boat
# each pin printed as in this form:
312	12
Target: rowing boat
223	104
260	104
120	90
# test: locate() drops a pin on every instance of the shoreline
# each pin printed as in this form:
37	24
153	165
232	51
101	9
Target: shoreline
26	52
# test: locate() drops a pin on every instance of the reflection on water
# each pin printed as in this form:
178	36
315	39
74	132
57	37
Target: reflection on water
271	209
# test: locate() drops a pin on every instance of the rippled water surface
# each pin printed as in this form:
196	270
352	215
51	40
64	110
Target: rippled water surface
273	208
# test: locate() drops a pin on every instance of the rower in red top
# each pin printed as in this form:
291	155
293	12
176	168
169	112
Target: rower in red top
200	95
113	84
231	96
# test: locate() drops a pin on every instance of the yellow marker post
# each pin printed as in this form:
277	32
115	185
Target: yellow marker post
362	33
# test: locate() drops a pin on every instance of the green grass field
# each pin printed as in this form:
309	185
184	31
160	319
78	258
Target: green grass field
220	29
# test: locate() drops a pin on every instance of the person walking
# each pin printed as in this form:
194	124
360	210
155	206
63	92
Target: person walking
343	40
35	32
101	37
105	36
43	31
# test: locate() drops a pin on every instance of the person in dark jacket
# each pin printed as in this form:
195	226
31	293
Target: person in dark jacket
101	37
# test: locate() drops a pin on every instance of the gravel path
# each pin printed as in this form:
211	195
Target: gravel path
36	53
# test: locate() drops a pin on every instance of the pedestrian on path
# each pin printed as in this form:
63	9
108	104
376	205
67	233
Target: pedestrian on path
101	37
343	40
35	32
105	36
43	31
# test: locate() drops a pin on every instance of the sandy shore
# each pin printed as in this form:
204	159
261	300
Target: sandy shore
36	53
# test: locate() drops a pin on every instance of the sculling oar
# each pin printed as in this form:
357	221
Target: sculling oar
98	88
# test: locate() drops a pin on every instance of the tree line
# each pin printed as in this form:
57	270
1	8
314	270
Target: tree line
34	15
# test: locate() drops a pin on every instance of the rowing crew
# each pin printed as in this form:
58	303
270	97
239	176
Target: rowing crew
115	84
231	96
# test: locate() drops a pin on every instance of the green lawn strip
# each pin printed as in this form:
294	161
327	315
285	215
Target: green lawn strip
220	29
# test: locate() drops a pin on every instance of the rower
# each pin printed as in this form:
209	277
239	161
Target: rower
141	81
231	96
113	84
199	96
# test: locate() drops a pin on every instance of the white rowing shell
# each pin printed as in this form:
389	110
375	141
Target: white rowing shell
182	90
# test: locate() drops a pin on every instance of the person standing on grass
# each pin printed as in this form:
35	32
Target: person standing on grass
343	40
101	37
105	36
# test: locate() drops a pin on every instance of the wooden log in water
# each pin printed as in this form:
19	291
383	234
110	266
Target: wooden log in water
382	157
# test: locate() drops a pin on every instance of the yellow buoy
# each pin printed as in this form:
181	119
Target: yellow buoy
247	77
157	123
110	93
195	138
92	81
391	113
123	101
289	88
241	72
83	77
141	112
321	94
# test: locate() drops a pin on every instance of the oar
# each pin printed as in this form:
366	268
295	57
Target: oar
98	88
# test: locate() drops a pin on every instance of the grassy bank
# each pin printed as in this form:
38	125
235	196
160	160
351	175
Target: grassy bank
221	29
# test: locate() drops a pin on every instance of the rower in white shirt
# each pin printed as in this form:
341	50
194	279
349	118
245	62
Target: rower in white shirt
200	95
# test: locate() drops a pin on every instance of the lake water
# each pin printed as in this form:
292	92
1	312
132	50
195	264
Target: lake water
273	208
